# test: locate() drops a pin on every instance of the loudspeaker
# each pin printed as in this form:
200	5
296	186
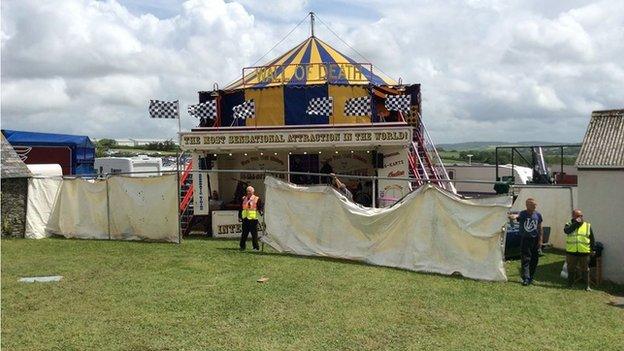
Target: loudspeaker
206	162
378	159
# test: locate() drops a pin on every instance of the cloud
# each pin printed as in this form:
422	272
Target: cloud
98	63
29	96
489	66
489	69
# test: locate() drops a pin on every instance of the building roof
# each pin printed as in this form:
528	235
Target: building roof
12	165
603	145
16	137
311	62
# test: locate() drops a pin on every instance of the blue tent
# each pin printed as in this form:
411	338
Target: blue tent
82	149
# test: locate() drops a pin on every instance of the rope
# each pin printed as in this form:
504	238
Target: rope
274	46
347	44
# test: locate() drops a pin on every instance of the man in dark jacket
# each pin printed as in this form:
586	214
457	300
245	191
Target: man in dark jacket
579	247
531	234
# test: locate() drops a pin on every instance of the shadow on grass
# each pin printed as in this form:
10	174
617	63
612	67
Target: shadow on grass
548	274
455	275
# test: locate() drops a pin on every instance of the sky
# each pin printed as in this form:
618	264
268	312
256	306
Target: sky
515	70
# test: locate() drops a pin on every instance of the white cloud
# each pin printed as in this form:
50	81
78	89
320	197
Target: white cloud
486	66
28	96
547	98
97	63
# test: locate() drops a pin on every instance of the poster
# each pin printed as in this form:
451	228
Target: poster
225	224
201	193
395	165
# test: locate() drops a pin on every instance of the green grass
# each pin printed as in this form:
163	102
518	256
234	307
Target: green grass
203	295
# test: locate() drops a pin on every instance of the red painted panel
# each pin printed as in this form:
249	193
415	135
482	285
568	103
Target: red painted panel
33	155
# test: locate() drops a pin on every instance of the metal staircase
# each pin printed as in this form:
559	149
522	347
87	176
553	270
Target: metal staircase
186	199
425	164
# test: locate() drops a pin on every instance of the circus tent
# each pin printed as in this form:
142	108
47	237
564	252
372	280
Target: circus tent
280	92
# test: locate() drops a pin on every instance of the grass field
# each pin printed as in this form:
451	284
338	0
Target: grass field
203	295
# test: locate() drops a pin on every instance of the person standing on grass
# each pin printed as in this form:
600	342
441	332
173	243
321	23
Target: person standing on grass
531	234
579	244
250	207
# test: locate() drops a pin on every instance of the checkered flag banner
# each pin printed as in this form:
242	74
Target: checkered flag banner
323	106
398	103
245	110
163	109
207	109
360	106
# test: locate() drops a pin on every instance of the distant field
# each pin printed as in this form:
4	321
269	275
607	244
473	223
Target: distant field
491	145
144	151
203	295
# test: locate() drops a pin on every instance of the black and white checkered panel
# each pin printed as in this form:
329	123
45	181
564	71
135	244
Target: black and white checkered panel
399	103
204	110
360	106
163	109
245	110
323	106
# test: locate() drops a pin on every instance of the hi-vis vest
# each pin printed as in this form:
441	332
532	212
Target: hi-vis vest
578	241
250	207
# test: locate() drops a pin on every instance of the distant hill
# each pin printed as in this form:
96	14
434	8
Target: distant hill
484	145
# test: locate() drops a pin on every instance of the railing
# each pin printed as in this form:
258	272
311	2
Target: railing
416	155
429	163
186	200
439	165
186	172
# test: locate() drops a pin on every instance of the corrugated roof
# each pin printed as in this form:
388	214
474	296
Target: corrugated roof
603	145
12	165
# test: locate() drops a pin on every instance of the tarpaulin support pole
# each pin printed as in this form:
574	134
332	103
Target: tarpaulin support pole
374	192
108	217
178	186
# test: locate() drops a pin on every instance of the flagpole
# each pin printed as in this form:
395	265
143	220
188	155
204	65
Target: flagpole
178	185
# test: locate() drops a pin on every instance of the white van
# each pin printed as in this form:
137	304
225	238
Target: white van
522	175
152	166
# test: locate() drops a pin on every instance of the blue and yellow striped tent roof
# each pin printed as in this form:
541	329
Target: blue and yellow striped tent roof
311	62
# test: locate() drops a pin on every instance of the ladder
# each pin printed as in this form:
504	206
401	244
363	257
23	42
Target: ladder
425	164
186	199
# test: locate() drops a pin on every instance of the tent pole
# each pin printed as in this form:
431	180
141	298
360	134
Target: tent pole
108	207
178	186
374	191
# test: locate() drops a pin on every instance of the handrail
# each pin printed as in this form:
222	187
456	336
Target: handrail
412	165
420	161
187	199
425	156
186	172
438	159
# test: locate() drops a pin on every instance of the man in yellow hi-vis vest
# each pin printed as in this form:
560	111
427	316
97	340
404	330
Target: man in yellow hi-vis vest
579	244
250	208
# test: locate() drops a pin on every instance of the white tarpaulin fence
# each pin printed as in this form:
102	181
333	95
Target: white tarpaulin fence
42	195
429	230
123	208
80	210
144	208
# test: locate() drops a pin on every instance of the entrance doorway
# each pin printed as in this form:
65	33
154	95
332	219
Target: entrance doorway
304	163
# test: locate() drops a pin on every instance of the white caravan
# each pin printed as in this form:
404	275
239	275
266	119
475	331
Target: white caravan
147	166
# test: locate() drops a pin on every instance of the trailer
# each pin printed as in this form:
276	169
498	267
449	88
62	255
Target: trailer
152	166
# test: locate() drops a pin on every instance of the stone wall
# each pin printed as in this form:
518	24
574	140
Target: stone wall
14	192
